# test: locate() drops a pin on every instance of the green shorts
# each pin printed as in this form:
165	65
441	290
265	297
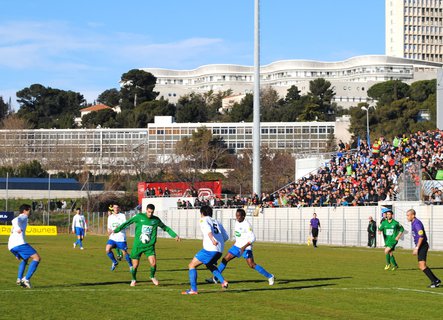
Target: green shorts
136	252
391	244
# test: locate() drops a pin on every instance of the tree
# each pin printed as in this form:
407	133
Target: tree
320	105
242	111
191	108
104	118
293	94
110	97
137	87
146	112
421	90
269	105
388	91
4	109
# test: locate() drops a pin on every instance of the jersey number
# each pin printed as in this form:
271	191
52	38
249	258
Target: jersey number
215	227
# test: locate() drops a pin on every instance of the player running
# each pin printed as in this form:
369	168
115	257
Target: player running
21	249
421	247
79	227
244	238
392	231
117	239
146	225
214	238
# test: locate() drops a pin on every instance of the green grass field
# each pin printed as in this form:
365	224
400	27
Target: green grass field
327	282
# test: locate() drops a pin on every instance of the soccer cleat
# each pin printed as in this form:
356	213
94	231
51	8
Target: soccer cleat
74	244
393	268
18	282
81	248
133	283
26	284
225	285
271	280
387	267
114	265
435	284
211	280
190	292
154	281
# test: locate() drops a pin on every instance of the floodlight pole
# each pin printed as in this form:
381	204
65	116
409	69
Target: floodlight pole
256	174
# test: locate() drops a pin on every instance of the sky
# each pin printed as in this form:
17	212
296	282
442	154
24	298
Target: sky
86	45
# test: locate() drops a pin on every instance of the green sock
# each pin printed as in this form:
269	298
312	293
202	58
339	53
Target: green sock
153	269
134	274
393	262
388	258
119	252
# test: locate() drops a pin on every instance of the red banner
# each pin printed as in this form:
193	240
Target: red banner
179	189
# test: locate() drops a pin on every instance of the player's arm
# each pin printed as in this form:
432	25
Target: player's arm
125	224
401	229
419	243
168	230
16	225
223	232
73	224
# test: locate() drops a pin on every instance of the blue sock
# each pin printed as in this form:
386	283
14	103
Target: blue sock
128	259
193	279
221	267
111	256
218	275
77	242
32	268
262	271
80	243
21	268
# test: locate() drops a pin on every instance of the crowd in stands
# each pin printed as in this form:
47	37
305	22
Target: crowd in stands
366	175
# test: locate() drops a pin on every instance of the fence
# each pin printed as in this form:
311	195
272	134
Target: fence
342	226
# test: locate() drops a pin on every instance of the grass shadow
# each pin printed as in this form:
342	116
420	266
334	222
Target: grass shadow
271	288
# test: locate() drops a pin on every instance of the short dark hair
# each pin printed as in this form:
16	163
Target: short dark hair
206	211
150	206
78	209
24	207
242	212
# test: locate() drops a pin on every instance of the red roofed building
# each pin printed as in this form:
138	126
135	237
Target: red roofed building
97	107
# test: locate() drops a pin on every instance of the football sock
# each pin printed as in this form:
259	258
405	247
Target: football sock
314	242
110	254
388	258
152	271
430	274
128	259
218	275
32	268
393	262
221	267
77	242
134	274
193	279
119	252
21	268
80	243
262	271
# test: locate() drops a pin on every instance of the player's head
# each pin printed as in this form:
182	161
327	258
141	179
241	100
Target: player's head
25	208
150	208
314	215
115	208
78	211
385	211
410	215
370	218
206	211
240	215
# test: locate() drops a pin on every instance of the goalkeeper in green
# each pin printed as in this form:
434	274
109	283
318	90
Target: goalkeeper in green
146	225
392	231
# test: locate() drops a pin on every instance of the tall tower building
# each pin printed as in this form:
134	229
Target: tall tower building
414	29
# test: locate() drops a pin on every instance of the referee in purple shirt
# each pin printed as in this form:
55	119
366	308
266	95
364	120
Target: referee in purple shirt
315	227
421	247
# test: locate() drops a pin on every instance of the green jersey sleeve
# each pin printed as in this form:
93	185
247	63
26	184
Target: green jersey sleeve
126	224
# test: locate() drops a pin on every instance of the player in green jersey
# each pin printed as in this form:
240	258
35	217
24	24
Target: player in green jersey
146	225
392	231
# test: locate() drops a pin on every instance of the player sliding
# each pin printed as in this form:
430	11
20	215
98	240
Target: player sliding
214	238
117	239
146	225
392	231
244	238
21	249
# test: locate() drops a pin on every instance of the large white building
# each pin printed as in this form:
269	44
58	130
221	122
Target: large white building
350	78
414	29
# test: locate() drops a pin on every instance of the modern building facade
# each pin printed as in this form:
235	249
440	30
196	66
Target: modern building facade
104	149
350	78
414	29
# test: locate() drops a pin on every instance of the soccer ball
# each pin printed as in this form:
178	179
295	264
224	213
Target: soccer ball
144	238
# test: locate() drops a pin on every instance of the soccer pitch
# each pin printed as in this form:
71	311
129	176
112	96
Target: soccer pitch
327	282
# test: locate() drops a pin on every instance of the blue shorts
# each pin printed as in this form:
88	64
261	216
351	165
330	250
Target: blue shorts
208	257
121	245
80	231
235	251
23	251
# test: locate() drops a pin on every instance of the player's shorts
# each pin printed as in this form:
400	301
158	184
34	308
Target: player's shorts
314	232
79	231
423	252
121	245
235	251
208	257
23	251
391	244
137	252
